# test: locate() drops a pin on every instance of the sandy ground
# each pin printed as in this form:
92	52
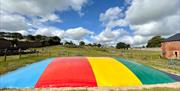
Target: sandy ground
169	85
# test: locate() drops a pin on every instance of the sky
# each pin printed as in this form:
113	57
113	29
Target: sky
93	21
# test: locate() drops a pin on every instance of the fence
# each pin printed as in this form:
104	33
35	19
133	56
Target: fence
19	52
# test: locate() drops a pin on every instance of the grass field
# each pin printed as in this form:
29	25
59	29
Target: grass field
149	58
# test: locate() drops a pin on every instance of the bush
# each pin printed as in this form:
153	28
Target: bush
101	49
122	45
71	46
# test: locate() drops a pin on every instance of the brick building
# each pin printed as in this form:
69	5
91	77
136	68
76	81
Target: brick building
171	47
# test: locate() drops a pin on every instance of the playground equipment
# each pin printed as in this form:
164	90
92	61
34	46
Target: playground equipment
84	72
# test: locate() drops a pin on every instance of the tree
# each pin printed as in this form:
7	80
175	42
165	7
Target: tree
30	37
81	43
16	35
122	45
66	43
69	43
38	37
89	44
99	45
155	41
94	44
45	43
54	40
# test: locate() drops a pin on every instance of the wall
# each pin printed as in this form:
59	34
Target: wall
25	44
4	44
148	49
171	50
20	44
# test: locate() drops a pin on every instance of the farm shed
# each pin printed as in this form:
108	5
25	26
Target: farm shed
171	47
4	43
28	44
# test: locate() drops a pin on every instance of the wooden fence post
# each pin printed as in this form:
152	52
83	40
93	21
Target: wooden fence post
49	51
19	53
37	52
5	54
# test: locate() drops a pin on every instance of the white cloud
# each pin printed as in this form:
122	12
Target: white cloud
23	32
77	33
133	40
109	35
126	39
145	21
111	18
40	7
51	17
144	11
11	22
128	1
167	26
111	14
139	40
50	31
149	18
116	23
146	18
13	12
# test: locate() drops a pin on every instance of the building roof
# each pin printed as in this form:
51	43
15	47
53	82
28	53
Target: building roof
175	37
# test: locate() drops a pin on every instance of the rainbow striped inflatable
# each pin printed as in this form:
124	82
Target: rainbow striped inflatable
84	72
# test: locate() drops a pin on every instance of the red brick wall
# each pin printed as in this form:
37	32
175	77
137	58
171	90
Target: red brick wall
170	49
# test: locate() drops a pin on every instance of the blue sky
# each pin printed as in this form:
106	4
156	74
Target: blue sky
90	19
101	21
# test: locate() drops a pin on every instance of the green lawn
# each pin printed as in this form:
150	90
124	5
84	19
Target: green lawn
149	58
